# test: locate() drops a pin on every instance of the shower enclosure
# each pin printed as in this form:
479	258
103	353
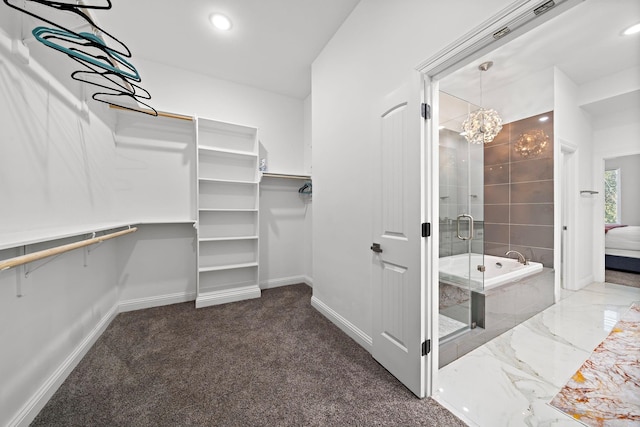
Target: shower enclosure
491	271
461	214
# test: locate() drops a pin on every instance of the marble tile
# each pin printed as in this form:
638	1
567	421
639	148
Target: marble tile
510	380
489	392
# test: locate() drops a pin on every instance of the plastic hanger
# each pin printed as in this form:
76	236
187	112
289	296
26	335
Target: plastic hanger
121	89
74	3
106	66
46	36
123	50
118	99
305	189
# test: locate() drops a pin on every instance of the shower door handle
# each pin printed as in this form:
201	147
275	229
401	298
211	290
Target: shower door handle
470	235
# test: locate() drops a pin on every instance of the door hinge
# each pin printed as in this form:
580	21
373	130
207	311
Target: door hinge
425	111
426	347
426	229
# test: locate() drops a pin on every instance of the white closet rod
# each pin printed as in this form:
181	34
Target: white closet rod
25	259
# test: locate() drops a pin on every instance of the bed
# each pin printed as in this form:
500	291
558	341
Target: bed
622	247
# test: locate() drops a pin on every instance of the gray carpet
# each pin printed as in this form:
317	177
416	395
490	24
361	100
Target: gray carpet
272	361
622	278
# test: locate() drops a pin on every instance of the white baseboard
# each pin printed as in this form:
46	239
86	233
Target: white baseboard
285	281
347	327
34	405
156	301
584	282
227	295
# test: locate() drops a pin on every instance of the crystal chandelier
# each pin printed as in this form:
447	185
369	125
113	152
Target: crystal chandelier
532	143
482	125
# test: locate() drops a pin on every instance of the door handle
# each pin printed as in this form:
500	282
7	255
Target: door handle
468	236
376	248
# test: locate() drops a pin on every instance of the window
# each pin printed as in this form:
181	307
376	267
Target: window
612	196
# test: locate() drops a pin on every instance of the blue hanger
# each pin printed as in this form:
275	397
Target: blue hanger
46	35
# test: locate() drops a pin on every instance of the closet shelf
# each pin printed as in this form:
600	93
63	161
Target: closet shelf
23	238
167	221
209	150
226	239
228	267
228	181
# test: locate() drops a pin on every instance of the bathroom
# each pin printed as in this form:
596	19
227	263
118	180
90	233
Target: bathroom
496	225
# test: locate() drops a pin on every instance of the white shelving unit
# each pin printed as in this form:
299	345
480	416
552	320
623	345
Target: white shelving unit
227	212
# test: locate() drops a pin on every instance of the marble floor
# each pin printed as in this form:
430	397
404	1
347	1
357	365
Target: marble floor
510	380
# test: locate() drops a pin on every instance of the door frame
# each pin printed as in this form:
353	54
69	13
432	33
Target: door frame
519	18
599	160
566	216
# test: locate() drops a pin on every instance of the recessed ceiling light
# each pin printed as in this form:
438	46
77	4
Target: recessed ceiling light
544	118
632	30
220	21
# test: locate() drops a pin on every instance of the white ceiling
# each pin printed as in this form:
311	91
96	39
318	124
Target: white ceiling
586	43
271	45
273	42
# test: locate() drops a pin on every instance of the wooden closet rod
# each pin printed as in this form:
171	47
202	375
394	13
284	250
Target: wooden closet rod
160	113
24	259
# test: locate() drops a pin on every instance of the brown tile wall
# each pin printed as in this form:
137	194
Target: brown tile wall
518	194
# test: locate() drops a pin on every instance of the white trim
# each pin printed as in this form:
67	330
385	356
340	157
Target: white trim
518	16
40	398
227	295
581	283
284	281
347	327
155	301
431	207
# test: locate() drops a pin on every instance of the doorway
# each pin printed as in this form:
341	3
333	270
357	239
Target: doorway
466	54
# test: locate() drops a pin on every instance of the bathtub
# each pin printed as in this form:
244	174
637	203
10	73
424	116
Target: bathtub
454	270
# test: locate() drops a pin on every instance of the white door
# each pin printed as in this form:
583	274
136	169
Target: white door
398	293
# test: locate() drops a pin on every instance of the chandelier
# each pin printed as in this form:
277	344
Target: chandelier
531	143
482	125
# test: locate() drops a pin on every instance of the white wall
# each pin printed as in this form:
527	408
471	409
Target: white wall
56	169
56	166
279	118
573	126
630	195
372	54
156	265
283	227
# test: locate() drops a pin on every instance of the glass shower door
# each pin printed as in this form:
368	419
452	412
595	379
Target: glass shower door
461	211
